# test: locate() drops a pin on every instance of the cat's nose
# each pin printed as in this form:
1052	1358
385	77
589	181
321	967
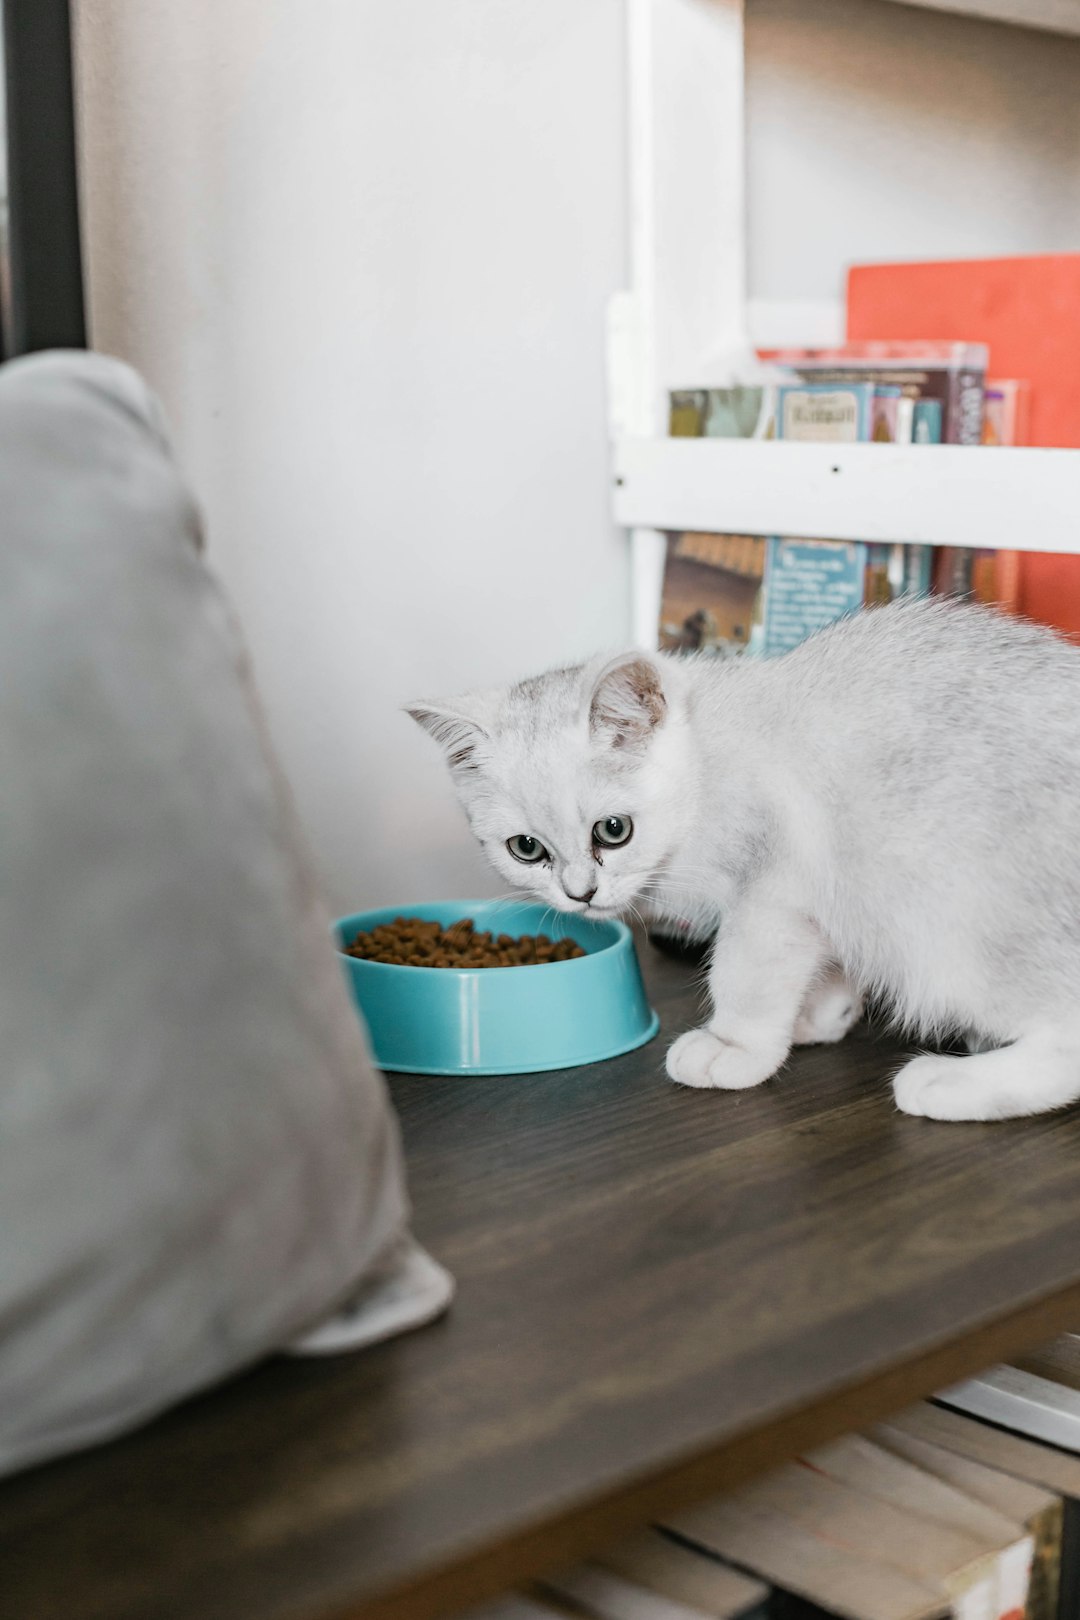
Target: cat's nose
584	898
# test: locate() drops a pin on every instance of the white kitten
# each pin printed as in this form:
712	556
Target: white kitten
893	807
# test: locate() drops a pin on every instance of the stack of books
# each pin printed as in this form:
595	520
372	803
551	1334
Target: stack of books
910	393
928	1516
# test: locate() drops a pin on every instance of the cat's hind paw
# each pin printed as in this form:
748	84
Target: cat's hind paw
828	1018
700	1058
941	1087
830	1010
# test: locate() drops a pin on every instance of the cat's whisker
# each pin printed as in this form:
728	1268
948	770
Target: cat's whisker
638	918
503	902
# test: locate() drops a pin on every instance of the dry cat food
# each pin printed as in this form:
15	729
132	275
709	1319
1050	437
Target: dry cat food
411	942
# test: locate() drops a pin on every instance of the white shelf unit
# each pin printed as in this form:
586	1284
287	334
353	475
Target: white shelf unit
684	322
1022	500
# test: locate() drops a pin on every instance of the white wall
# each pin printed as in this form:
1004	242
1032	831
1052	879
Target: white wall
363	251
877	131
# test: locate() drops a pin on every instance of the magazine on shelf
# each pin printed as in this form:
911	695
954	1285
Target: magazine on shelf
811	583
712	582
953	374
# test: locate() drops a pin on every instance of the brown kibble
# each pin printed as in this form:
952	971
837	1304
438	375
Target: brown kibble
414	942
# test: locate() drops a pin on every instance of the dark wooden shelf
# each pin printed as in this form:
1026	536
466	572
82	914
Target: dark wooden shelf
660	1292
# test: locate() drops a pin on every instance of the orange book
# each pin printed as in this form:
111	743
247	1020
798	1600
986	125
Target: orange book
1006	404
1028	311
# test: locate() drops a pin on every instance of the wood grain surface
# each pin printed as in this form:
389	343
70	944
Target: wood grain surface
661	1291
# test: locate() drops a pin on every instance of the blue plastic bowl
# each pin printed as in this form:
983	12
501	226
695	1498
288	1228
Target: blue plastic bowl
516	1020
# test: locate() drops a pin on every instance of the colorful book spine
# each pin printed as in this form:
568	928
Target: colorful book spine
741	412
953	571
837	413
744	412
880	575
926	421
918	571
954	374
884	423
893	423
686	413
811	583
1005	424
913	565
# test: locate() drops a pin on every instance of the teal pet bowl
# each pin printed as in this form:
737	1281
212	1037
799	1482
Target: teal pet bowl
514	1020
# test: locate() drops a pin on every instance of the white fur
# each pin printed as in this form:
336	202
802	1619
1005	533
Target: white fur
894	807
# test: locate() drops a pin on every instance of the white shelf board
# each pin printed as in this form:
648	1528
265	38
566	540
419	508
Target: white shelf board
1057	16
1024	500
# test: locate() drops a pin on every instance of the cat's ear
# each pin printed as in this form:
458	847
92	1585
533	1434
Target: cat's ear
628	701
460	737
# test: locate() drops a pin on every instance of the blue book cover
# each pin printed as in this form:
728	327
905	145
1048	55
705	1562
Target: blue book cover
809	583
836	413
926	423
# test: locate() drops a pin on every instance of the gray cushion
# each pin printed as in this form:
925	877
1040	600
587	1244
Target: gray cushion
197	1159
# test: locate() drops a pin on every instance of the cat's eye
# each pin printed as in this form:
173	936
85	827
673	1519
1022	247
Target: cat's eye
524	848
613	831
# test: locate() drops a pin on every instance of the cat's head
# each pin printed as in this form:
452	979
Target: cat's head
572	781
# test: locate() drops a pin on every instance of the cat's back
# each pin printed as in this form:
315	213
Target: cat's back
936	661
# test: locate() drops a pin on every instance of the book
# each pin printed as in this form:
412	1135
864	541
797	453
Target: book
1044	1465
913	565
863	1463
838	1579
1053	1469
811	583
656	1562
916	570
686	413
836	412
651	1577
710	591
851	1553
952	374
889	572
1006	411
1027	310
893	415
527	1605
712	582
741	412
926	421
1005	423
1041	1512
953	571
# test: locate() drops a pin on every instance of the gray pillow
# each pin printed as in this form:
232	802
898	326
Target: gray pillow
197	1159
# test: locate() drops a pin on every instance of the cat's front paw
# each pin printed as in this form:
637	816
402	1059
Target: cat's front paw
700	1058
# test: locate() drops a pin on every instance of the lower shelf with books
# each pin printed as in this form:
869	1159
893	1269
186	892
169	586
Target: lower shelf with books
932	1514
724	594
